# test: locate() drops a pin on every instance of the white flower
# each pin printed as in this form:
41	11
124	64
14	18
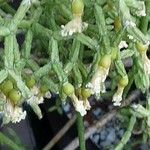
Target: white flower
18	115
74	26
86	104
146	63
48	95
13	114
78	104
35	90
98	80
117	97
39	100
122	44
130	23
39	97
130	37
79	107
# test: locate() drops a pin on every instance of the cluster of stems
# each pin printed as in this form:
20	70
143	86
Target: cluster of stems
64	55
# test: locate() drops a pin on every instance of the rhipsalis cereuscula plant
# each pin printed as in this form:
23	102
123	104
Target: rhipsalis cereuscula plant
75	49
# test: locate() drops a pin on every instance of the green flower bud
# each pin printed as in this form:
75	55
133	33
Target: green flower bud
68	89
14	96
86	93
43	89
6	86
124	81
77	7
141	47
105	61
30	82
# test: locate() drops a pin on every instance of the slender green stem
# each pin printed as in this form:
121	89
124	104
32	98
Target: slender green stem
131	79
145	20
80	127
100	21
23	8
9	142
127	134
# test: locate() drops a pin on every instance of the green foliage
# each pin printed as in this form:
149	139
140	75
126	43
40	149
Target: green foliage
55	53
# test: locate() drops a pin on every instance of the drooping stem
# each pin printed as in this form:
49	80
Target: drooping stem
9	142
127	134
80	127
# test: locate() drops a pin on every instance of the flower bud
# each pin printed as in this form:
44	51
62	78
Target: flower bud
68	89
86	93
105	61
124	81
30	82
77	7
6	87
14	96
43	89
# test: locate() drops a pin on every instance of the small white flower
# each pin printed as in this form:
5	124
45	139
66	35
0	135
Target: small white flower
79	107
13	114
89	85
74	26
146	63
117	97
86	104
98	80
122	44
48	95
39	100
78	104
35	90
130	23
131	38
18	115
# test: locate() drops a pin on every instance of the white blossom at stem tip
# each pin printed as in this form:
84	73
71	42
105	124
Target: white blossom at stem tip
13	113
131	38
129	23
98	80
48	95
122	44
117	97
86	104
79	106
74	26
